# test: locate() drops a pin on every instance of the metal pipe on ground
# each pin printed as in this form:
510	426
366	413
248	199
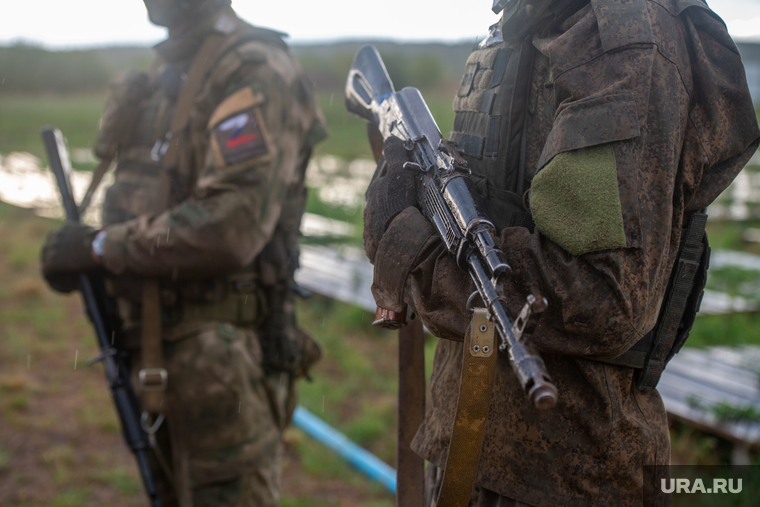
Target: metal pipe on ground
365	462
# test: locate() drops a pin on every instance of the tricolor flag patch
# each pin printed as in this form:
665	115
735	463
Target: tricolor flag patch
241	137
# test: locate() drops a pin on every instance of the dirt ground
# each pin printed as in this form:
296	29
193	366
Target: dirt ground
60	441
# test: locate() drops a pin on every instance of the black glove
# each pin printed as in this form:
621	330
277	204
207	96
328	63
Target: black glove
66	253
392	190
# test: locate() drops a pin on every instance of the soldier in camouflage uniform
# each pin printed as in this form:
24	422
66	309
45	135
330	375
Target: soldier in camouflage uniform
222	242
610	122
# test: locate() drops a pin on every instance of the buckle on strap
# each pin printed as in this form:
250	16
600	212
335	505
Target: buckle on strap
153	379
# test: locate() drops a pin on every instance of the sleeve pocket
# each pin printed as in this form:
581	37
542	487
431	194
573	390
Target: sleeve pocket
591	122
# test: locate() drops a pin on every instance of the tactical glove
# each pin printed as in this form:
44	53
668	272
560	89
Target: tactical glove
392	190
66	253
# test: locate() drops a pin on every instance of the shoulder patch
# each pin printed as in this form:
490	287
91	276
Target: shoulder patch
237	129
623	22
575	201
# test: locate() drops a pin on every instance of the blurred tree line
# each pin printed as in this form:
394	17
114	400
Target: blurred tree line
425	66
27	68
32	69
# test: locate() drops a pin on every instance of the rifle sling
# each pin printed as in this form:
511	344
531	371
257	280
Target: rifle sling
475	389
411	411
153	376
652	352
97	177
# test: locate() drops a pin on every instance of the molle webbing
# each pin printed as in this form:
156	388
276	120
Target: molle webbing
243	308
491	108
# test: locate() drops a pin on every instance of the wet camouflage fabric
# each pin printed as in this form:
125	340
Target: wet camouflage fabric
480	497
230	231
223	214
664	86
221	441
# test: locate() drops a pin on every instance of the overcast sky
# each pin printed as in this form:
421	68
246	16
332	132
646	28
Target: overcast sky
87	23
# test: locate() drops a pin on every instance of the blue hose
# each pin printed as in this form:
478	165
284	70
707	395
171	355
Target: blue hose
365	462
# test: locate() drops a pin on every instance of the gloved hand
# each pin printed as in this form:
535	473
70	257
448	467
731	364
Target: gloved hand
392	191
66	253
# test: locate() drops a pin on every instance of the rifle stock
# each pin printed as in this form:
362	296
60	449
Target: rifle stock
105	322
449	201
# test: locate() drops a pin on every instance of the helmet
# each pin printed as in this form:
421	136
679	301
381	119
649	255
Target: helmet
171	13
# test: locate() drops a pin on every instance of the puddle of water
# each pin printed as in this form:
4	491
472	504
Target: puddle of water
340	182
24	182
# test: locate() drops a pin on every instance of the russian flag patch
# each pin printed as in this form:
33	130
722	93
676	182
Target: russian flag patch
241	136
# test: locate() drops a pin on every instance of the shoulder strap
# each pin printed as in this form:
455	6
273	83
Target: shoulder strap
475	388
152	353
213	46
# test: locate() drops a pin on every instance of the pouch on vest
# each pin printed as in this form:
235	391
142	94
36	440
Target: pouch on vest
679	308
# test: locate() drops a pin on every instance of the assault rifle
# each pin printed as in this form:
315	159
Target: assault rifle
105	321
448	199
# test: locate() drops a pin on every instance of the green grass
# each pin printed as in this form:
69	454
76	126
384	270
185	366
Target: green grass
348	133
5	458
728	330
735	281
120	480
287	501
21	117
74	497
727	235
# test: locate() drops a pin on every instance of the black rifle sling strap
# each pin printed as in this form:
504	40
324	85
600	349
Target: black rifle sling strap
153	376
676	298
411	411
680	305
475	387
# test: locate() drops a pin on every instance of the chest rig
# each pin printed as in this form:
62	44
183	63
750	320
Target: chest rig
496	107
489	126
138	170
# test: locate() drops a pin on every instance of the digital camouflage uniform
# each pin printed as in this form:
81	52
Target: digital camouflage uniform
637	114
224	251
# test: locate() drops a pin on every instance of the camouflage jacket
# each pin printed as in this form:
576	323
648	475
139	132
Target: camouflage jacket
657	89
238	191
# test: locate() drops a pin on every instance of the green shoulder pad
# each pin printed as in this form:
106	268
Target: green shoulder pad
575	201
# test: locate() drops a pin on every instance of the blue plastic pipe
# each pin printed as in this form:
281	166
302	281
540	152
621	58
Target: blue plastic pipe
365	462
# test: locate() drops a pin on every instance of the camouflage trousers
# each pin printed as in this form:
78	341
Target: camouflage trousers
480	497
221	442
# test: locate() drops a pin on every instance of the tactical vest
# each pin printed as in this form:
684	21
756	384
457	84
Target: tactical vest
489	125
266	285
499	129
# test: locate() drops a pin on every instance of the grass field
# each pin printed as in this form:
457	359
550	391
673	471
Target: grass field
77	116
21	117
